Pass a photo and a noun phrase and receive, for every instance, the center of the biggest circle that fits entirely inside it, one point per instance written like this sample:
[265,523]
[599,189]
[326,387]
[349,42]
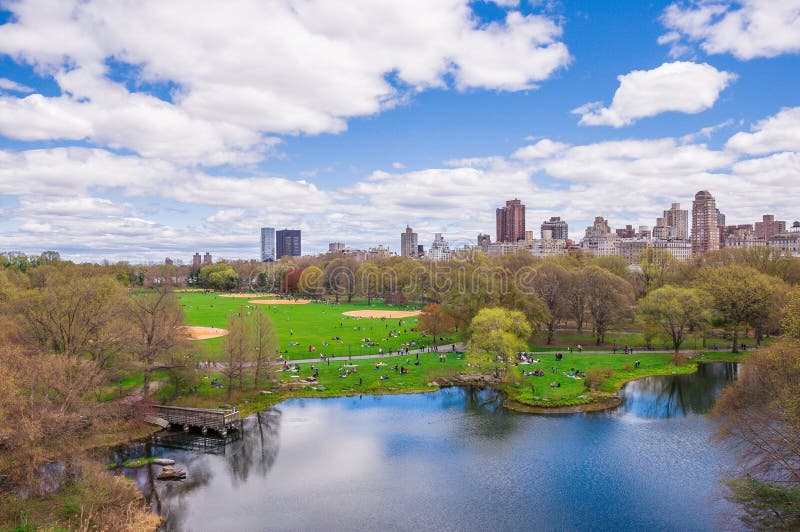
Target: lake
[454,459]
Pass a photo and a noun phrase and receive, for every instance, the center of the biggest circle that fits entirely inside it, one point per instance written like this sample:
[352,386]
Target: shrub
[678,358]
[596,377]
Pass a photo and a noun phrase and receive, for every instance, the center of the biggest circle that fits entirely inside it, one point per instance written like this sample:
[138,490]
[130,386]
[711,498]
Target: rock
[163,461]
[170,473]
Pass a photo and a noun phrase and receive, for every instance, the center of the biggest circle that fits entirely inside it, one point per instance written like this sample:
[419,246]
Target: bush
[627,367]
[678,358]
[596,377]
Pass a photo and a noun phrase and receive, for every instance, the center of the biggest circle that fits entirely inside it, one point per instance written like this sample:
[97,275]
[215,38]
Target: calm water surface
[455,460]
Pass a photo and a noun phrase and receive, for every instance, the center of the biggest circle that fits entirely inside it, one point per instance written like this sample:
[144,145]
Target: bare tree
[156,321]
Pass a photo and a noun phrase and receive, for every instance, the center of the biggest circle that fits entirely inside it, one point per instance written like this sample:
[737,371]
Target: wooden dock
[220,421]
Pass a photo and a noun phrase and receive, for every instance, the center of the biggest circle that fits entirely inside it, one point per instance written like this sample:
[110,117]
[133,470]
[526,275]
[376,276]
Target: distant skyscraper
[720,218]
[207,259]
[287,243]
[409,240]
[197,261]
[267,244]
[678,220]
[336,247]
[558,228]
[705,228]
[511,222]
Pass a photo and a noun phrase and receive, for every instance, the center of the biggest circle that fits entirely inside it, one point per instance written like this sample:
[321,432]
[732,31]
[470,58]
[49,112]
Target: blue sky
[168,128]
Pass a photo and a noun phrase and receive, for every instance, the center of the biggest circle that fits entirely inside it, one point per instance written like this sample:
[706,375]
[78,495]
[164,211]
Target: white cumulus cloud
[280,67]
[681,86]
[780,132]
[745,28]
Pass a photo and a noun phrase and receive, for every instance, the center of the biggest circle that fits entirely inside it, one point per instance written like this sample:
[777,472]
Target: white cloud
[780,132]
[543,148]
[281,67]
[745,28]
[9,85]
[226,216]
[680,86]
[72,196]
[398,166]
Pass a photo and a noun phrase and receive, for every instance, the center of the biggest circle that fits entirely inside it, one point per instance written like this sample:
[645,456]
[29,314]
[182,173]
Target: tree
[657,265]
[265,342]
[237,345]
[219,276]
[791,319]
[369,281]
[310,283]
[675,311]
[552,285]
[759,417]
[75,312]
[608,298]
[740,294]
[435,321]
[156,321]
[576,297]
[339,278]
[500,332]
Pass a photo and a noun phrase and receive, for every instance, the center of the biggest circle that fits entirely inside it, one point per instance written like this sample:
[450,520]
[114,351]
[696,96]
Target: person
[580,348]
[359,381]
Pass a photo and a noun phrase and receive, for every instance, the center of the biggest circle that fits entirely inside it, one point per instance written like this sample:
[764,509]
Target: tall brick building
[511,222]
[705,228]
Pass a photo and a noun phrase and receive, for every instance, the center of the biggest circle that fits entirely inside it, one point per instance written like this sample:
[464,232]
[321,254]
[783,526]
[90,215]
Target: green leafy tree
[219,276]
[500,332]
[674,311]
[740,294]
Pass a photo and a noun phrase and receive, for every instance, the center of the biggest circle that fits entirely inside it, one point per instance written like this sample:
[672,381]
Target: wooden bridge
[204,419]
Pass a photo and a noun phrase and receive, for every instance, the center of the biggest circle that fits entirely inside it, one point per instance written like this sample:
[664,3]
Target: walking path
[440,349]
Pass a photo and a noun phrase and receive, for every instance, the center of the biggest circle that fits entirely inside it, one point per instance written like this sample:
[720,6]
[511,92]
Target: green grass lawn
[365,379]
[536,391]
[302,326]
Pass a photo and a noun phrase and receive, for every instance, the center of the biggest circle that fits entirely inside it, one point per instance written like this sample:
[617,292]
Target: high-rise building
[705,224]
[267,244]
[769,227]
[599,240]
[197,261]
[720,218]
[207,259]
[559,230]
[336,247]
[440,249]
[678,220]
[409,240]
[287,243]
[511,222]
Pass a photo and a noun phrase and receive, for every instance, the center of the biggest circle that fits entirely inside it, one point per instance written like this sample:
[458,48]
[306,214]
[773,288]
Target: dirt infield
[203,333]
[391,314]
[249,296]
[280,301]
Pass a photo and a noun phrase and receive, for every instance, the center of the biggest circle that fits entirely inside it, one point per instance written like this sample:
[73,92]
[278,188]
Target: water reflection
[452,460]
[678,395]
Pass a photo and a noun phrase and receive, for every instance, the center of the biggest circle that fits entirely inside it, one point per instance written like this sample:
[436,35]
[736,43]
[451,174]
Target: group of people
[536,373]
[628,350]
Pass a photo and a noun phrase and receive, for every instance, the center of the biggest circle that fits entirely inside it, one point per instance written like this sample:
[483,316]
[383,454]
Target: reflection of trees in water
[679,395]
[483,413]
[258,447]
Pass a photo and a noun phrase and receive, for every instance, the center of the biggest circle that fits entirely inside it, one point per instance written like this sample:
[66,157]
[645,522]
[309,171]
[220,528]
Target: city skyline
[124,135]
